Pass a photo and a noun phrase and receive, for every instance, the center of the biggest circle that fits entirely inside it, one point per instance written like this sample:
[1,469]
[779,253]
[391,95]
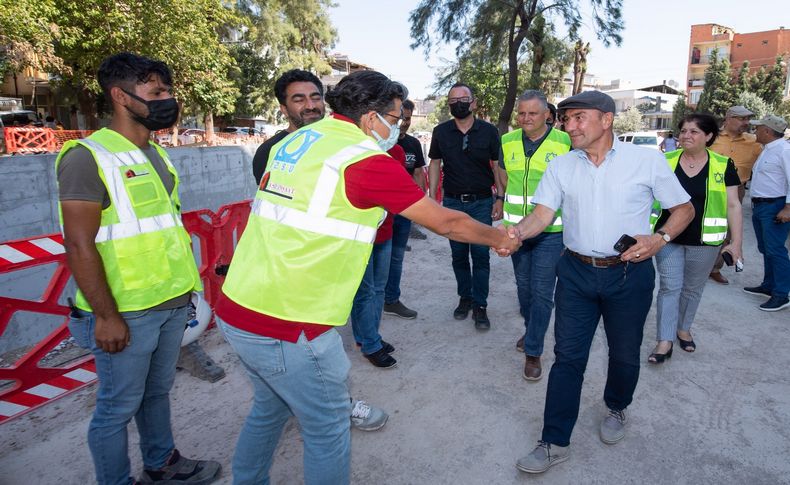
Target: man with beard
[466,148]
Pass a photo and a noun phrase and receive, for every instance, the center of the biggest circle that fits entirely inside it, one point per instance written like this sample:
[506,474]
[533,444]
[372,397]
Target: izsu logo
[294,149]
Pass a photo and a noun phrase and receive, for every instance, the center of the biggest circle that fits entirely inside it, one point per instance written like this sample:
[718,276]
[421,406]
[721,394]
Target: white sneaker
[365,417]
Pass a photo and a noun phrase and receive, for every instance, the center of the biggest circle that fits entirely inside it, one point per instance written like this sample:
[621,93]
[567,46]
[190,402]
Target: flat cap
[773,122]
[589,100]
[738,111]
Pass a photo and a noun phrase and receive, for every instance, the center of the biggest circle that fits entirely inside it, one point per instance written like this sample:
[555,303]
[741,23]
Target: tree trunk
[88,108]
[514,43]
[580,52]
[208,120]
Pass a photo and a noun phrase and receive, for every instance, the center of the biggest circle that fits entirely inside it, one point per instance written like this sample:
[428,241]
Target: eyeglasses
[398,119]
[463,99]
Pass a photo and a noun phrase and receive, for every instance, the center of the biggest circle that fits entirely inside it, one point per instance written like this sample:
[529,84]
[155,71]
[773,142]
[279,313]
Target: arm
[434,171]
[735,223]
[536,222]
[496,211]
[784,214]
[646,246]
[419,178]
[81,220]
[460,227]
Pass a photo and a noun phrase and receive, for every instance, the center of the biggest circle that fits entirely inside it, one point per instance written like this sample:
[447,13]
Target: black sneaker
[757,290]
[385,346]
[381,359]
[463,308]
[182,470]
[400,310]
[481,318]
[775,304]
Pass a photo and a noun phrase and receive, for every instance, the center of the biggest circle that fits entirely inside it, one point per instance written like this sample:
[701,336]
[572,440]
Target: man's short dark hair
[408,104]
[126,69]
[553,111]
[705,122]
[295,76]
[463,85]
[364,91]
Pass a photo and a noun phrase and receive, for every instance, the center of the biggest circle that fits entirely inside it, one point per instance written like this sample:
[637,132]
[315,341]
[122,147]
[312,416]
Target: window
[738,45]
[695,96]
[765,42]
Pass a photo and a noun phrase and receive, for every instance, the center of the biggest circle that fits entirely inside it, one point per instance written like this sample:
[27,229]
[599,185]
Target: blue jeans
[369,300]
[306,379]
[472,282]
[622,295]
[134,383]
[771,238]
[400,236]
[535,268]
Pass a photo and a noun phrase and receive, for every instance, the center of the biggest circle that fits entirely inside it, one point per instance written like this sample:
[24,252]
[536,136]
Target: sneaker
[385,346]
[182,470]
[400,310]
[365,417]
[775,304]
[542,457]
[463,308]
[381,359]
[481,318]
[415,233]
[613,427]
[758,290]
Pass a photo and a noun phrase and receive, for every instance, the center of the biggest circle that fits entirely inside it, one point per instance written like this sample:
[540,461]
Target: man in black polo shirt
[466,148]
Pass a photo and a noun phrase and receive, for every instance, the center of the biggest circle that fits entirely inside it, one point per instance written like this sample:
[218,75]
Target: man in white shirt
[770,191]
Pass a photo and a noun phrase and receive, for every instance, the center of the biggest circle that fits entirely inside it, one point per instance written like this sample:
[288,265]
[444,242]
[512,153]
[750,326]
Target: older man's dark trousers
[622,295]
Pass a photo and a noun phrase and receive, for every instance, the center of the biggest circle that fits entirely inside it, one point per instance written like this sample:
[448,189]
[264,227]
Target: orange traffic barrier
[23,140]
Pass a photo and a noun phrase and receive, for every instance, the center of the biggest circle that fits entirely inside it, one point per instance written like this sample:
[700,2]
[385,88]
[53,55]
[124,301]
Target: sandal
[687,345]
[656,358]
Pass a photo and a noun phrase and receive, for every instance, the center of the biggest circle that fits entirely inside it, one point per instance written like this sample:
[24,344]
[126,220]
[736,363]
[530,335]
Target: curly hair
[364,91]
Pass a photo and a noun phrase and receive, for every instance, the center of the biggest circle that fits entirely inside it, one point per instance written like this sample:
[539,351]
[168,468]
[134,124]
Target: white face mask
[389,142]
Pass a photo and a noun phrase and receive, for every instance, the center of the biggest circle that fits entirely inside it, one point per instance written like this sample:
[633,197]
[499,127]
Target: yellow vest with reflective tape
[714,218]
[305,248]
[146,253]
[524,173]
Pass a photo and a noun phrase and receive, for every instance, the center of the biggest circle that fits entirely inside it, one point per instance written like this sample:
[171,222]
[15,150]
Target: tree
[772,89]
[628,120]
[580,52]
[753,103]
[501,28]
[719,93]
[679,111]
[743,82]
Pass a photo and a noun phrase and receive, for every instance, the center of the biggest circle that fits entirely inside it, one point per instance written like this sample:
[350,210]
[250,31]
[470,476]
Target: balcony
[696,82]
[704,60]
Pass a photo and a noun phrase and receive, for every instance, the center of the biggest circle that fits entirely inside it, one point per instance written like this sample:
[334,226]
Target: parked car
[649,139]
[191,136]
[240,130]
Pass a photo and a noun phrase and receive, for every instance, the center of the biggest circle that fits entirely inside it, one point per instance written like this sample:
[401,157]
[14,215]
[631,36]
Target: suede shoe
[532,369]
[400,310]
[613,427]
[775,304]
[758,290]
[381,359]
[719,278]
[365,417]
[182,470]
[544,455]
[481,318]
[463,308]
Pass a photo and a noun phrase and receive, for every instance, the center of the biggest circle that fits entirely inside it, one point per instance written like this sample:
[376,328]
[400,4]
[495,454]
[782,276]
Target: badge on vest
[136,173]
[279,190]
[550,156]
[718,177]
[293,150]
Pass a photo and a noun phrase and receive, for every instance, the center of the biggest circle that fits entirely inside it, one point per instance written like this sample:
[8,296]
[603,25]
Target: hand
[496,211]
[784,214]
[511,241]
[645,248]
[735,251]
[111,334]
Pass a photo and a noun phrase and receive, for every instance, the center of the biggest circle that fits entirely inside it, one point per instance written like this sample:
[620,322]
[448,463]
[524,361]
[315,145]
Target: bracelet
[499,197]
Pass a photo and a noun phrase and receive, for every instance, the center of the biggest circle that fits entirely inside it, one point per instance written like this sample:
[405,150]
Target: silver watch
[664,236]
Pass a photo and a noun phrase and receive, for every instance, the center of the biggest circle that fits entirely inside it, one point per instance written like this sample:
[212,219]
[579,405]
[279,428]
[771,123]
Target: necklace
[689,161]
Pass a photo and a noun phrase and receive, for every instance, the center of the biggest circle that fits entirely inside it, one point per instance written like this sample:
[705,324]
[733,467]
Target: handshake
[510,241]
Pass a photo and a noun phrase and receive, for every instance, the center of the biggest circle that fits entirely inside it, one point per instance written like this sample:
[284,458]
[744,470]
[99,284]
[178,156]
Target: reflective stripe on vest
[714,220]
[308,221]
[524,173]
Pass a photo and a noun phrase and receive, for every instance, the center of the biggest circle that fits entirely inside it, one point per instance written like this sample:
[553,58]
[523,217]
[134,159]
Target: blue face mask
[389,142]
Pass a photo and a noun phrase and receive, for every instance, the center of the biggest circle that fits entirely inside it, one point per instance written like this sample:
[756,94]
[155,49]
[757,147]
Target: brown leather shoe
[520,344]
[719,278]
[532,369]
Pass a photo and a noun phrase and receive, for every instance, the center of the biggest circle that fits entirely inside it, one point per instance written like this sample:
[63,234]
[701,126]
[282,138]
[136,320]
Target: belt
[766,200]
[470,197]
[606,262]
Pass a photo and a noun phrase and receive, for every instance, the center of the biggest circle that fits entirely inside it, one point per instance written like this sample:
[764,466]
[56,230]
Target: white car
[649,139]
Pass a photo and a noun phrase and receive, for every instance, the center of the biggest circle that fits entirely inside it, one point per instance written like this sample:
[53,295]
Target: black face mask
[162,113]
[460,109]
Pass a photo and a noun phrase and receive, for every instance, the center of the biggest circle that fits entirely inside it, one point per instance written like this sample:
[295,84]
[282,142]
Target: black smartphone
[727,257]
[624,243]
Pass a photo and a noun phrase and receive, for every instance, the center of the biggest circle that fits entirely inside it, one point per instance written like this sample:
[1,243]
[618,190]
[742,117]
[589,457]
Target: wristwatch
[664,236]
[499,197]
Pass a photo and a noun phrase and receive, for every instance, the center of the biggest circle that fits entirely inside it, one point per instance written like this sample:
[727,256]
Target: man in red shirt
[297,364]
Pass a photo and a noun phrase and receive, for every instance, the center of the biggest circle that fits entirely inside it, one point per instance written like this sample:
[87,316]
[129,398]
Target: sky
[654,48]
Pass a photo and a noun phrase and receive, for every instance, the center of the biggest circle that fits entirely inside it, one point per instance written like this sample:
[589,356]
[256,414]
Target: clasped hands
[511,241]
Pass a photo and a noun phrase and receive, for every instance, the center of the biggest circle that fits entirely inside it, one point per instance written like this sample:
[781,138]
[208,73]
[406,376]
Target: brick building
[759,48]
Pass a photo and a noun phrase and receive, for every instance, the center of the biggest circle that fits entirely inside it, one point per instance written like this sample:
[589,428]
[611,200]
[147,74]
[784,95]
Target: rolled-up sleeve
[549,191]
[666,188]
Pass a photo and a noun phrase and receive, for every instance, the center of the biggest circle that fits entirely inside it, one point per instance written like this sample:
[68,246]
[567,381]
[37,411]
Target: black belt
[766,200]
[470,197]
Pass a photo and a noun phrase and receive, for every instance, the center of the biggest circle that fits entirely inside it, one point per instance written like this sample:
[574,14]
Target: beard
[306,117]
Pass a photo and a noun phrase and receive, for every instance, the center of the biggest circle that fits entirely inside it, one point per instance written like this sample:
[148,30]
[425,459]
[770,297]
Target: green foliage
[773,84]
[628,120]
[679,110]
[719,91]
[743,81]
[27,35]
[783,109]
[754,103]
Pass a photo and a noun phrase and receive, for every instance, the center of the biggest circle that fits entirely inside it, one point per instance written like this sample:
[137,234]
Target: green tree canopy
[28,32]
[719,91]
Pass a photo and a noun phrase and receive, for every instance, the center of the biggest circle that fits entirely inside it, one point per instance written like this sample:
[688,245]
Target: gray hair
[531,94]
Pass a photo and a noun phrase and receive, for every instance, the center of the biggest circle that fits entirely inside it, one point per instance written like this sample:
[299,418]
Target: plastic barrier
[23,141]
[27,384]
[62,136]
